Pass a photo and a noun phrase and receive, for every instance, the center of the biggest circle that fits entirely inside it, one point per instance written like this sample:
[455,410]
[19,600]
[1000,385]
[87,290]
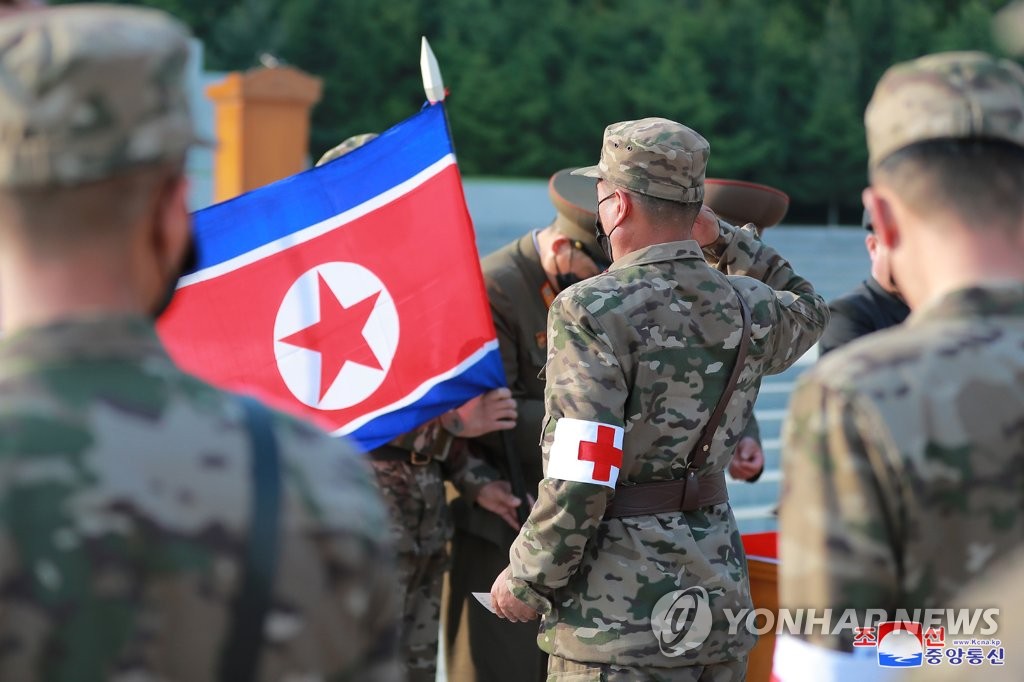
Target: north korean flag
[349,294]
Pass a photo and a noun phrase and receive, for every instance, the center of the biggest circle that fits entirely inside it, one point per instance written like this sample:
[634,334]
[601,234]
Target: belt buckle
[418,459]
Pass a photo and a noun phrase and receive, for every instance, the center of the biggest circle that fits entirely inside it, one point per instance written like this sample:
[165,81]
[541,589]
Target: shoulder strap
[703,448]
[240,656]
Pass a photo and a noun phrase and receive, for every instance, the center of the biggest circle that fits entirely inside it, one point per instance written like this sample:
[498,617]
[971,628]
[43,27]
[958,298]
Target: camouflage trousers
[419,581]
[564,670]
[419,530]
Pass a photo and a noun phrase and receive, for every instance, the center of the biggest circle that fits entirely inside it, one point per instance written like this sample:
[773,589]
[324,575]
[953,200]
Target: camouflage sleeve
[550,545]
[840,512]
[797,315]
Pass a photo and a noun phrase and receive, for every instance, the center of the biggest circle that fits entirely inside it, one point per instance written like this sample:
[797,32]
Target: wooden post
[261,118]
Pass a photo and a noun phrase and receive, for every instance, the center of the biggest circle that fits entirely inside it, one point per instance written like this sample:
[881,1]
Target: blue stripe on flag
[478,378]
[307,198]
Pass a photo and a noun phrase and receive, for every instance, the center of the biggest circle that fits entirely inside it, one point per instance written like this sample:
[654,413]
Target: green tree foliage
[779,87]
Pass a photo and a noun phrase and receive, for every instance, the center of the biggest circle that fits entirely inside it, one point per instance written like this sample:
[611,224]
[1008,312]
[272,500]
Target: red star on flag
[337,335]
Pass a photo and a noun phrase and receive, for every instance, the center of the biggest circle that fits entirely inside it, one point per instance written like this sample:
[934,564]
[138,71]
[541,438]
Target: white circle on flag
[300,367]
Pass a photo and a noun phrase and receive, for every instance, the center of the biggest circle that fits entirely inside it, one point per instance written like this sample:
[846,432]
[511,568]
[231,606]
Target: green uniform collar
[90,337]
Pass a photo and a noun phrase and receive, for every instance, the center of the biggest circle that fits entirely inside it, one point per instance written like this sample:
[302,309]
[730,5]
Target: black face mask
[188,264]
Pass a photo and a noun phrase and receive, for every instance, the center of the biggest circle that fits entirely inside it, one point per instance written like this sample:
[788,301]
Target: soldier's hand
[747,460]
[492,411]
[497,498]
[505,604]
[705,228]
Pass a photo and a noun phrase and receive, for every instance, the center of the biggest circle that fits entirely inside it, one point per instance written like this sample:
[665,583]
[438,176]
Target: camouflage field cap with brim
[88,91]
[653,156]
[350,144]
[951,95]
[575,199]
[740,202]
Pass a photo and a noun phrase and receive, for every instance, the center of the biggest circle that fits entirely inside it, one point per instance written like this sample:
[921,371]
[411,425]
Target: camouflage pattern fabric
[420,527]
[998,588]
[947,95]
[113,95]
[349,144]
[563,670]
[653,156]
[124,499]
[903,475]
[656,336]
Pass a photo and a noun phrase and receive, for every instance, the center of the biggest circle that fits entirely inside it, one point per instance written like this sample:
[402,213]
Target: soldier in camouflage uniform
[638,358]
[125,485]
[522,280]
[411,471]
[903,475]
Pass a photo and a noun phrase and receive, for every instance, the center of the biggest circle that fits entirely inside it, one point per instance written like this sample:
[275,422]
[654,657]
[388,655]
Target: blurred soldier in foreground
[151,526]
[903,476]
[873,305]
[522,280]
[632,510]
[411,471]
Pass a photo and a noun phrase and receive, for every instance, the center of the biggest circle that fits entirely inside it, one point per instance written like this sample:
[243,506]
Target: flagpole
[433,87]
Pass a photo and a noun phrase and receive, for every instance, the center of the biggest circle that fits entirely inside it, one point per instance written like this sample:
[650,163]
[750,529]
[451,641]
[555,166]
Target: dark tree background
[777,86]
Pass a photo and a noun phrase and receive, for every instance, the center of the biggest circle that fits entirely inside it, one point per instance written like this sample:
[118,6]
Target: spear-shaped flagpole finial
[433,85]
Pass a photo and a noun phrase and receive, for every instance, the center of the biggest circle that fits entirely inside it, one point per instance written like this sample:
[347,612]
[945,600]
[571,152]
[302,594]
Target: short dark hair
[668,212]
[981,180]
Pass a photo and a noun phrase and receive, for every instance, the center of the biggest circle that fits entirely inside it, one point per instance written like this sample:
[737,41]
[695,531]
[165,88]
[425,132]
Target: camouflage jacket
[124,509]
[415,493]
[904,467]
[648,346]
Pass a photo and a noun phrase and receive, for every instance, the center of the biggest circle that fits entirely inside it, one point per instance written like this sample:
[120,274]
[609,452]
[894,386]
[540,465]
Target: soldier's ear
[559,243]
[886,228]
[174,224]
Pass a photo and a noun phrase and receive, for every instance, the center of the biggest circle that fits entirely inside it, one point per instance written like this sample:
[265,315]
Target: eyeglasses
[603,240]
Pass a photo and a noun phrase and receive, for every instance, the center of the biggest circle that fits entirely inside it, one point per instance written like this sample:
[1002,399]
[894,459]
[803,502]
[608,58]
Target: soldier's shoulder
[501,260]
[904,355]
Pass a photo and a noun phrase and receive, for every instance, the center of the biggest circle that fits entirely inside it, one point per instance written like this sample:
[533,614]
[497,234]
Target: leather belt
[661,497]
[390,453]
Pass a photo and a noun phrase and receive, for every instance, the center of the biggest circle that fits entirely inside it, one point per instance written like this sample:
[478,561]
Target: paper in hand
[485,599]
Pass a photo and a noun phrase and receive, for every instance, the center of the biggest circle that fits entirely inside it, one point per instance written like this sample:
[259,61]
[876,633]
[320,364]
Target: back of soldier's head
[91,97]
[946,132]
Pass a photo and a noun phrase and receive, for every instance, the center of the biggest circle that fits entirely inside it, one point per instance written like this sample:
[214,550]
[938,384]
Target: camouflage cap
[952,95]
[87,91]
[1008,26]
[653,156]
[575,199]
[349,144]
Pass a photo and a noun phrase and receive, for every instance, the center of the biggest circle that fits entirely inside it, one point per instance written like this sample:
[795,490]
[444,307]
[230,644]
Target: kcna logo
[681,620]
[335,335]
